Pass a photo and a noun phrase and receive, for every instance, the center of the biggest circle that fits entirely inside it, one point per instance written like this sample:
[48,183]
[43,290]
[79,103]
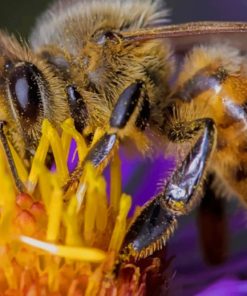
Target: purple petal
[73,156]
[225,287]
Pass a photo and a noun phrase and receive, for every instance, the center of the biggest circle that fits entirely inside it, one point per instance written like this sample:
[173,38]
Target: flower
[52,243]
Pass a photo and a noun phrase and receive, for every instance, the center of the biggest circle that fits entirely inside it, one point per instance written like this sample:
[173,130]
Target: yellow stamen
[45,185]
[7,201]
[38,160]
[74,253]
[68,128]
[95,203]
[100,194]
[52,267]
[116,186]
[94,283]
[66,138]
[73,236]
[90,205]
[7,267]
[58,152]
[120,226]
[50,240]
[54,212]
[97,135]
[21,169]
[80,195]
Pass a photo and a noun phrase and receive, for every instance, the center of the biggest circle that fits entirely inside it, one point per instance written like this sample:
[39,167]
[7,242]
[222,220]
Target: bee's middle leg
[156,222]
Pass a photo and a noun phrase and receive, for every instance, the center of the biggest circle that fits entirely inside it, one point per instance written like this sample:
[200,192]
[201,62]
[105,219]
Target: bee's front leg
[127,106]
[156,222]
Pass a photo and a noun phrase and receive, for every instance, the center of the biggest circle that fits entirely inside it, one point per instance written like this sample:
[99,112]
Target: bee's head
[109,62]
[29,92]
[90,34]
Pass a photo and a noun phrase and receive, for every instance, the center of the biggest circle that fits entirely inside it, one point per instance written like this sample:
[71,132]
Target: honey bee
[110,64]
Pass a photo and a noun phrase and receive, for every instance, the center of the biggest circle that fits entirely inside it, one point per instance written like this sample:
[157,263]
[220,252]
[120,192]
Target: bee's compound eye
[25,82]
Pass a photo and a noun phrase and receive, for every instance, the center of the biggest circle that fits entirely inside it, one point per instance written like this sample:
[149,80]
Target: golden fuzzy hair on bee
[83,16]
[68,32]
[202,56]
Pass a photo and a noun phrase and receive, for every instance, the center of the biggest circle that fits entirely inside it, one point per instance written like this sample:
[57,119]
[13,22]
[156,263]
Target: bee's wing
[185,36]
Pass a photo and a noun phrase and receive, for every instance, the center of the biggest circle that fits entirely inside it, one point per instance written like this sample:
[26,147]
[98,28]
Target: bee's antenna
[182,30]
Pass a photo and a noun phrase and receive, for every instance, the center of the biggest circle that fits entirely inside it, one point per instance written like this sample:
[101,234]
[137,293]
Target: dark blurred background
[19,16]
